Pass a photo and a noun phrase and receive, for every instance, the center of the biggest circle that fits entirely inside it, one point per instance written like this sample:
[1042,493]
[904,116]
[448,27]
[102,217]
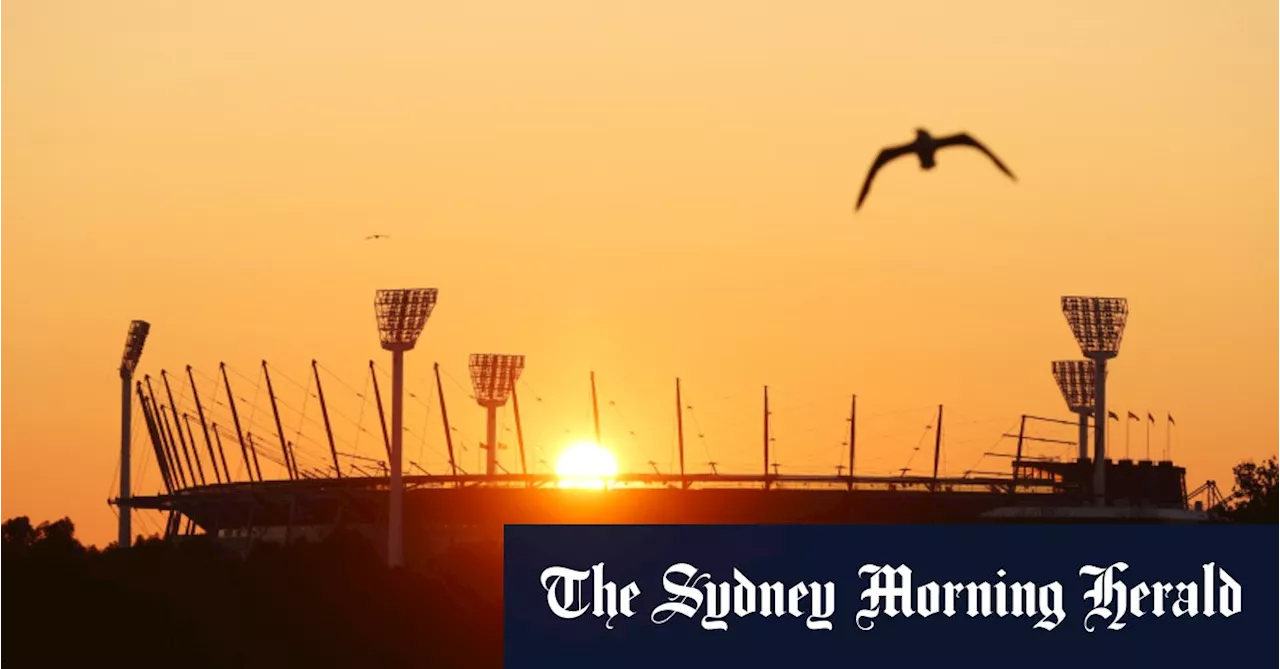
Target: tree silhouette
[1253,497]
[19,535]
[192,601]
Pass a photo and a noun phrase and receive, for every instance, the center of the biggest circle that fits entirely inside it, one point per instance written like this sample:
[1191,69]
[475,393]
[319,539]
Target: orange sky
[645,190]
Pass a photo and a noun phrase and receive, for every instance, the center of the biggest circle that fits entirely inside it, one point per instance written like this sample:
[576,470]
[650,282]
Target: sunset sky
[647,190]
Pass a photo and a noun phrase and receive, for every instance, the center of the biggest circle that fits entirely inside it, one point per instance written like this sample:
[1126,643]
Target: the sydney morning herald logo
[1112,601]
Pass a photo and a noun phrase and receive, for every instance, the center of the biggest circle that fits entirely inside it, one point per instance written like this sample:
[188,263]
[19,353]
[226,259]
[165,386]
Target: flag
[1112,415]
[1133,416]
[1171,421]
[1150,417]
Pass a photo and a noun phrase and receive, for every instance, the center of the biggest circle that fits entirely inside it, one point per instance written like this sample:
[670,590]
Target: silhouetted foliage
[195,602]
[192,602]
[1253,496]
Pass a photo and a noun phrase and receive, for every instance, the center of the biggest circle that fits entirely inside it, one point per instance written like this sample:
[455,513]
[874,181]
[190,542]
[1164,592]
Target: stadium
[212,469]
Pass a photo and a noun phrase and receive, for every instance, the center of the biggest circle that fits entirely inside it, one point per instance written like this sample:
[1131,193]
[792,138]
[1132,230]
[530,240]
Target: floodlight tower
[1076,380]
[493,376]
[1098,325]
[401,315]
[133,343]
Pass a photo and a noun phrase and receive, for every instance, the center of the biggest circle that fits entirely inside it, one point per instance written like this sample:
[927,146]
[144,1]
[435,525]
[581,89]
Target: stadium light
[401,316]
[1098,325]
[133,344]
[1076,381]
[493,376]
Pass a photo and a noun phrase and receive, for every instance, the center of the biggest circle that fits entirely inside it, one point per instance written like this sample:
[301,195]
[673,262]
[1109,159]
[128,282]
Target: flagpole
[1148,435]
[1168,438]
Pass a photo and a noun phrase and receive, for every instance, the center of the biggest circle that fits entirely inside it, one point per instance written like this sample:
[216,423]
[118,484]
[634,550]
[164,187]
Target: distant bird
[925,146]
[377,237]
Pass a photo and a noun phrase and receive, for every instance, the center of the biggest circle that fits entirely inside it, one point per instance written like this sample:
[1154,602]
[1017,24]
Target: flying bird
[377,237]
[925,146]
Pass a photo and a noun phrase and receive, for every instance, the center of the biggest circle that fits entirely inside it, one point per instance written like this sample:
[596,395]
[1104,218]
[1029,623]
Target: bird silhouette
[377,237]
[925,146]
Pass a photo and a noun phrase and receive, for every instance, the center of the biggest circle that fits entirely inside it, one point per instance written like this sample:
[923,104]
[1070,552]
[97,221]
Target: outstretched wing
[881,160]
[964,139]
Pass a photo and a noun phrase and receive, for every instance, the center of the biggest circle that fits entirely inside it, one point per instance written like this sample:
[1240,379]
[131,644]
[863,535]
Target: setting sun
[586,465]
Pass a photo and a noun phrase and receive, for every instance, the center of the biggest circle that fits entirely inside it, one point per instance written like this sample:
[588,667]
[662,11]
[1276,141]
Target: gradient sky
[646,190]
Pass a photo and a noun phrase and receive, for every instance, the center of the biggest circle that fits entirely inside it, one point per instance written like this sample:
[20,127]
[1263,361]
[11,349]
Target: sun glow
[586,465]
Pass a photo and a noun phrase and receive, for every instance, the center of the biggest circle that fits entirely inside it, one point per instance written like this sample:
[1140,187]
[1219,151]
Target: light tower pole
[133,343]
[1098,325]
[401,315]
[493,376]
[1076,380]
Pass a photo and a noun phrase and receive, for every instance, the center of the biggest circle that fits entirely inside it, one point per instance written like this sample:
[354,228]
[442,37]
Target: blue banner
[904,596]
